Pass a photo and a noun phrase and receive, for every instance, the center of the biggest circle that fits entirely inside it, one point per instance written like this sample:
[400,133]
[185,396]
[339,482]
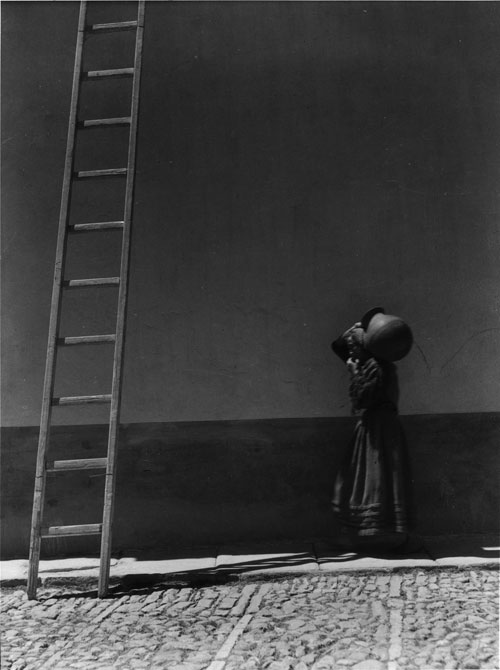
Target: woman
[372,491]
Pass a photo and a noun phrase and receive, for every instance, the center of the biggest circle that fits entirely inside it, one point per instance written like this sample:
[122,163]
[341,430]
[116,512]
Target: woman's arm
[366,384]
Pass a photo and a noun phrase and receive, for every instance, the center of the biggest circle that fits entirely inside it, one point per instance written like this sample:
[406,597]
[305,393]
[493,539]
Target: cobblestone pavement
[426,619]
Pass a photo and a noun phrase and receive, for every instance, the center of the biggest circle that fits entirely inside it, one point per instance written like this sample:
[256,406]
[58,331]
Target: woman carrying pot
[371,498]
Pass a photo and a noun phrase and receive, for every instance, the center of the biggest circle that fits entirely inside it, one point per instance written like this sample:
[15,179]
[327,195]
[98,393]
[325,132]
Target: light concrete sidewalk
[247,560]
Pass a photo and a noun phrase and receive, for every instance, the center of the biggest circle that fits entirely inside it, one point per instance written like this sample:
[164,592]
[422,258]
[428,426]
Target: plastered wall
[298,163]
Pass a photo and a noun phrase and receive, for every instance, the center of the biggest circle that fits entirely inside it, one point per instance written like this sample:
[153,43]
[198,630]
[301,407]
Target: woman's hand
[350,330]
[352,365]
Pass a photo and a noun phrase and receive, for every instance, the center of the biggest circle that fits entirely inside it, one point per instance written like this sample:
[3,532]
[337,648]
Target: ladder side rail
[110,481]
[48,386]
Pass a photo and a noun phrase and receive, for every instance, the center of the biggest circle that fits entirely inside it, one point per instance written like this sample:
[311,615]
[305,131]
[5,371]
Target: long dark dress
[371,496]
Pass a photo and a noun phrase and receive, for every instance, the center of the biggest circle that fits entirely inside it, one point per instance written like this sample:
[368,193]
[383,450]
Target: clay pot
[388,337]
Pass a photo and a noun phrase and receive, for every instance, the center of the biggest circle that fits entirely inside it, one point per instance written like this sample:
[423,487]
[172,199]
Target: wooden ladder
[61,285]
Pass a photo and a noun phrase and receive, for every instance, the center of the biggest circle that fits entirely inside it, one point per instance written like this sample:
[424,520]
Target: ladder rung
[97,281]
[84,529]
[77,464]
[82,399]
[89,174]
[86,339]
[105,225]
[111,27]
[102,74]
[117,121]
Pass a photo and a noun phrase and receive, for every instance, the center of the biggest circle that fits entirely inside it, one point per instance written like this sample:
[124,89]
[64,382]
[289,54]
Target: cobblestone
[410,620]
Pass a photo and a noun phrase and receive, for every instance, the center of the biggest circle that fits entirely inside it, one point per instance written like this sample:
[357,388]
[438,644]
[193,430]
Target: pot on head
[386,336]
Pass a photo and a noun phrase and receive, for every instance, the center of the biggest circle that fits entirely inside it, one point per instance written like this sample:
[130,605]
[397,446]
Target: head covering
[345,345]
[386,336]
[355,336]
